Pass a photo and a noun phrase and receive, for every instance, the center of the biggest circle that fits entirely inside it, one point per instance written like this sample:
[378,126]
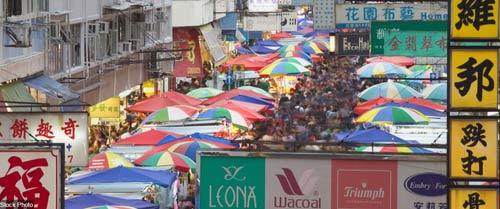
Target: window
[14,7]
[122,29]
[76,56]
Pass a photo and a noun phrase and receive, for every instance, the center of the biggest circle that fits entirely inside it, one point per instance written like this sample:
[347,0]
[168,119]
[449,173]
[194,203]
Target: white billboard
[269,22]
[262,5]
[68,128]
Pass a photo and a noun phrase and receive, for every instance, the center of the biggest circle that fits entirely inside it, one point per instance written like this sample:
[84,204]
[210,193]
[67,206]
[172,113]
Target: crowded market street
[222,104]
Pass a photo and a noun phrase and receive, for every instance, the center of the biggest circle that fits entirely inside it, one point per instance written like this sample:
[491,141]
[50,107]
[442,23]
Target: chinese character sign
[109,108]
[416,43]
[473,148]
[471,198]
[474,78]
[360,15]
[30,178]
[68,128]
[474,19]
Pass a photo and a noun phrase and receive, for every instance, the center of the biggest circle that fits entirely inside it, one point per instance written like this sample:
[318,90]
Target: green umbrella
[204,93]
[256,90]
[436,92]
[389,90]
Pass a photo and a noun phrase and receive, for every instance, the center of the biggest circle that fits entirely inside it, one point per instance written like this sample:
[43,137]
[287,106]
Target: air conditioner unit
[92,29]
[149,26]
[161,16]
[124,47]
[134,44]
[103,27]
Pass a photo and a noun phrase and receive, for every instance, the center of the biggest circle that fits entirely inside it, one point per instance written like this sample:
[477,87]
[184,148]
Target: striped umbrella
[296,60]
[290,48]
[388,90]
[436,92]
[190,147]
[168,159]
[283,68]
[299,54]
[256,90]
[316,45]
[382,69]
[392,149]
[393,115]
[218,113]
[311,49]
[111,207]
[108,159]
[204,93]
[173,113]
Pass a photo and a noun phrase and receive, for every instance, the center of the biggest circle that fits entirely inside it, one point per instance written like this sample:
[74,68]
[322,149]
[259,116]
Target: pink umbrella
[398,60]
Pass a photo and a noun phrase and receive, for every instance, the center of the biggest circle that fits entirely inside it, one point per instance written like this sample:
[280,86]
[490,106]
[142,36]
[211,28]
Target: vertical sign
[473,198]
[67,128]
[474,19]
[473,78]
[232,182]
[31,176]
[473,148]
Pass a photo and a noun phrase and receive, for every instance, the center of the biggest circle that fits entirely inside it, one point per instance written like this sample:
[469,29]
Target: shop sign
[270,22]
[474,21]
[461,198]
[67,128]
[109,108]
[298,183]
[474,78]
[364,184]
[31,177]
[288,21]
[353,43]
[262,5]
[360,15]
[379,29]
[148,87]
[473,148]
[232,182]
[416,43]
[422,184]
[190,64]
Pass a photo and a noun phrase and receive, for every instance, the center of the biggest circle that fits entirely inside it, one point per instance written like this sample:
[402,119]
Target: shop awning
[121,6]
[52,88]
[210,36]
[14,95]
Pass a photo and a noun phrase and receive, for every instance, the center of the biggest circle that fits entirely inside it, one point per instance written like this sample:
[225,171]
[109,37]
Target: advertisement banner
[379,29]
[360,15]
[232,182]
[473,198]
[366,184]
[353,43]
[262,5]
[190,64]
[422,184]
[109,108]
[269,22]
[67,128]
[31,178]
[298,183]
[481,26]
[288,21]
[416,43]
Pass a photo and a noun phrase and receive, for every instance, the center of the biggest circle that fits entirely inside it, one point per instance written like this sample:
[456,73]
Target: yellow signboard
[109,108]
[473,78]
[473,198]
[473,148]
[238,67]
[474,19]
[148,87]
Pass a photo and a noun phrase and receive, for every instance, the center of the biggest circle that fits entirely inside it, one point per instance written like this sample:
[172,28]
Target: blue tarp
[122,174]
[243,50]
[51,87]
[93,200]
[370,135]
[228,22]
[197,136]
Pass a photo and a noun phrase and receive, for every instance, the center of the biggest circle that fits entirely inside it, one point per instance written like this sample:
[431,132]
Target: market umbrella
[189,148]
[108,159]
[423,109]
[393,115]
[398,60]
[247,105]
[382,69]
[296,60]
[249,114]
[87,201]
[311,49]
[283,68]
[234,117]
[393,149]
[166,99]
[281,35]
[370,104]
[173,113]
[147,138]
[316,45]
[234,93]
[299,54]
[168,159]
[436,92]
[389,90]
[199,137]
[290,48]
[256,90]
[204,93]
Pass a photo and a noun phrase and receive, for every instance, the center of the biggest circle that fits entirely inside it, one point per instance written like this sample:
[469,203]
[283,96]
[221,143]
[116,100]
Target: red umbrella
[148,138]
[235,92]
[166,146]
[252,106]
[368,105]
[252,62]
[426,103]
[398,60]
[160,101]
[244,111]
[281,35]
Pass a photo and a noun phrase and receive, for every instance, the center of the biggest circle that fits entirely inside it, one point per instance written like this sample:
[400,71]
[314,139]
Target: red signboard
[364,184]
[190,65]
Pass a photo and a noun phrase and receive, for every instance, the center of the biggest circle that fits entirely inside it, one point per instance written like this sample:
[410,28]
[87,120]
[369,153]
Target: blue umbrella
[268,43]
[373,135]
[93,200]
[205,137]
[244,98]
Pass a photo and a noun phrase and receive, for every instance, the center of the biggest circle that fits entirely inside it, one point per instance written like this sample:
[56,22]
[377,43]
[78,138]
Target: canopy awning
[121,6]
[52,88]
[17,98]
